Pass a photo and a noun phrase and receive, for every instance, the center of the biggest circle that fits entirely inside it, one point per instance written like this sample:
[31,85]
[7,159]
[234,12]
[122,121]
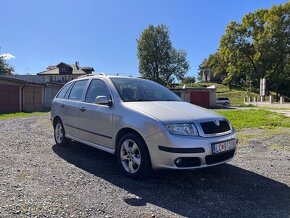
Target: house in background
[63,73]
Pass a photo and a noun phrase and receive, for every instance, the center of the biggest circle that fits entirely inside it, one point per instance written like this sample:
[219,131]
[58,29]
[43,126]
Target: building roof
[61,64]
[76,70]
[89,68]
[31,79]
[56,72]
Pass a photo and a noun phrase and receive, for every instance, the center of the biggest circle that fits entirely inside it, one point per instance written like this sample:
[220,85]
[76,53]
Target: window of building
[63,69]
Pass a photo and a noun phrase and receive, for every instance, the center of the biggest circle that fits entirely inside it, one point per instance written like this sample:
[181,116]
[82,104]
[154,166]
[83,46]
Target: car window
[77,90]
[97,88]
[68,92]
[132,89]
[63,91]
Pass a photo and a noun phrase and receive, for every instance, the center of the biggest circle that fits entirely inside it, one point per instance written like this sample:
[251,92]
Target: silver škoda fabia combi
[144,124]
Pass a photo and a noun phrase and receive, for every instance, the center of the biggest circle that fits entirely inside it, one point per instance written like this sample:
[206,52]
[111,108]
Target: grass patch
[21,114]
[275,108]
[254,118]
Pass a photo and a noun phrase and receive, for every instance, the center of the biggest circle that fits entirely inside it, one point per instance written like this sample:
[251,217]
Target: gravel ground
[40,179]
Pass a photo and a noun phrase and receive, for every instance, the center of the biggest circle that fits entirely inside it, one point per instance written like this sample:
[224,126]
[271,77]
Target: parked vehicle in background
[223,101]
[143,123]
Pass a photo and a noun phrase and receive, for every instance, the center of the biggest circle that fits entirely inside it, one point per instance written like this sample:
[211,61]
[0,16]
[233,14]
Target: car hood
[173,111]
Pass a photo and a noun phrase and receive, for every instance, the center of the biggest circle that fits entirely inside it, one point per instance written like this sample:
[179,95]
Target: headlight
[182,129]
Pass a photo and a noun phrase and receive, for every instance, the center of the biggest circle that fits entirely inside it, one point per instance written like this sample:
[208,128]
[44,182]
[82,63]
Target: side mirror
[104,100]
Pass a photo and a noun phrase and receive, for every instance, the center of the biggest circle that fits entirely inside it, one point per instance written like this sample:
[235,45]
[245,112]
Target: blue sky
[103,34]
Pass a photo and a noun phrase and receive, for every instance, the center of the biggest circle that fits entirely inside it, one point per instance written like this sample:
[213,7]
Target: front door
[95,121]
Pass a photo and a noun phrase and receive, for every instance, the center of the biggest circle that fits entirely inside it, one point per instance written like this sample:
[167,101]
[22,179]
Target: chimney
[77,65]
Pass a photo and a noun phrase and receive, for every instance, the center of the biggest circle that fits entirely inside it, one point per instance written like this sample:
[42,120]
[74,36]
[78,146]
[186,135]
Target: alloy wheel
[59,133]
[130,156]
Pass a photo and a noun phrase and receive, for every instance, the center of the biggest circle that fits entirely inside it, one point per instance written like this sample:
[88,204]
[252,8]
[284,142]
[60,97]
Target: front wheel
[133,156]
[59,134]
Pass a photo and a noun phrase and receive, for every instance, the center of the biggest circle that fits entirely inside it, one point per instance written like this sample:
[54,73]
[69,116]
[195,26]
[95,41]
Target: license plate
[223,146]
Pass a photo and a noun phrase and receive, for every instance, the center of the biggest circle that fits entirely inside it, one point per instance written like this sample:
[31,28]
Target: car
[223,101]
[144,124]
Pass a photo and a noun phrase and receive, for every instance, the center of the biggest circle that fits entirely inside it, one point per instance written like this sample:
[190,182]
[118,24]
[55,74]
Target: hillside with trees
[257,47]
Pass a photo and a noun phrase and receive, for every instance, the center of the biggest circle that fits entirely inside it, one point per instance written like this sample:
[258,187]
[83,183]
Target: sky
[103,34]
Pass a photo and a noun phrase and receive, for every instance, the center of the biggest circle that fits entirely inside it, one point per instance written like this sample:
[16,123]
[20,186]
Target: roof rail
[88,75]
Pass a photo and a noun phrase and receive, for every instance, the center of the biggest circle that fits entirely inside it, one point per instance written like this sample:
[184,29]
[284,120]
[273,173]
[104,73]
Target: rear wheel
[133,156]
[59,134]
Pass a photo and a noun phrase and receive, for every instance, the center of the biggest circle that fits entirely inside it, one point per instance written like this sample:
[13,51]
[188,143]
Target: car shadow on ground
[224,191]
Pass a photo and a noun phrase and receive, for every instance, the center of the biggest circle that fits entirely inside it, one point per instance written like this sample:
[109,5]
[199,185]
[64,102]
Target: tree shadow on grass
[224,191]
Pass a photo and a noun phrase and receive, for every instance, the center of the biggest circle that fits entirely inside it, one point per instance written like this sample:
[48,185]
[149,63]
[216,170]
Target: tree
[5,69]
[257,47]
[188,79]
[158,60]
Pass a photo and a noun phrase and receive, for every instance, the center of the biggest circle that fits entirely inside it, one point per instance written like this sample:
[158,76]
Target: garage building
[204,97]
[26,93]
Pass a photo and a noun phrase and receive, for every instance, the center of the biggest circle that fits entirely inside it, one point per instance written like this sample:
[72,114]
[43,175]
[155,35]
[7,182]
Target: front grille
[213,159]
[213,128]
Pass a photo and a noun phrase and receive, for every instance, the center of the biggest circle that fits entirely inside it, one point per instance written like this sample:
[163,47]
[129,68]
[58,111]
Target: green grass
[21,114]
[236,96]
[254,118]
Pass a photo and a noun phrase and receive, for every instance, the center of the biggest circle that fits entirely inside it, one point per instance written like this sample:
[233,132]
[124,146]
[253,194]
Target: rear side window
[97,88]
[63,91]
[77,90]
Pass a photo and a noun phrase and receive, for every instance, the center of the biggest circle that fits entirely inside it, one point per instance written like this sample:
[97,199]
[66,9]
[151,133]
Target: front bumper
[196,152]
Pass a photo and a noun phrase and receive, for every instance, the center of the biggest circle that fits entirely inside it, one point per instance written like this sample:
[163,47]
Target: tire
[133,156]
[59,134]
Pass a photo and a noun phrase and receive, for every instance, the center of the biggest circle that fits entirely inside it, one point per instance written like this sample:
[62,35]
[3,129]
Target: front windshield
[133,89]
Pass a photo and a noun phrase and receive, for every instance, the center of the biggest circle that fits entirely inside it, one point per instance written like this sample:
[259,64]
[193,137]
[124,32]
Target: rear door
[95,121]
[72,106]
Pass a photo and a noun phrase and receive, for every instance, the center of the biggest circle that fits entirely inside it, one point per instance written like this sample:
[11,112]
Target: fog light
[178,162]
[187,162]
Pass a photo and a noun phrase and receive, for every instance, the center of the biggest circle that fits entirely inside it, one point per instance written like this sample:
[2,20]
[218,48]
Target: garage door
[9,98]
[32,98]
[50,92]
[200,98]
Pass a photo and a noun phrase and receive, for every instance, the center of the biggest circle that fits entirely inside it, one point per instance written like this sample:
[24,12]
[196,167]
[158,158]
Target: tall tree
[5,69]
[158,59]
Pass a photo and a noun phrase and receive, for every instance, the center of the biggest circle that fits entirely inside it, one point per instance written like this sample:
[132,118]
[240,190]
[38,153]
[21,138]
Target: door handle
[62,105]
[82,109]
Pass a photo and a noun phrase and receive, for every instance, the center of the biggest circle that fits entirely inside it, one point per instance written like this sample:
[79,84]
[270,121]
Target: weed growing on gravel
[21,114]
[255,119]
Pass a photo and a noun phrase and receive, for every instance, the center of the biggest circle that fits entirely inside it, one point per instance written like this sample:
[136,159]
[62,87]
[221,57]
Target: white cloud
[7,56]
